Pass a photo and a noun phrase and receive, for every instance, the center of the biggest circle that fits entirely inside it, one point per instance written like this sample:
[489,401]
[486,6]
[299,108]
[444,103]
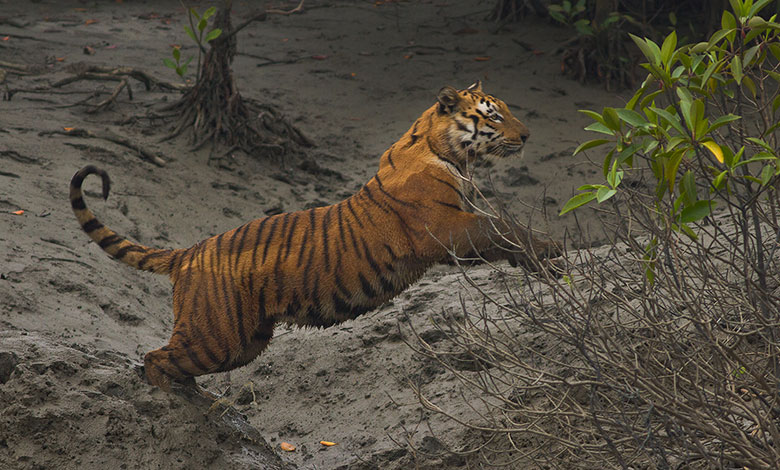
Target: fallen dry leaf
[90,21]
[287,447]
[328,443]
[482,58]
[68,129]
[5,38]
[60,59]
[408,56]
[19,212]
[89,50]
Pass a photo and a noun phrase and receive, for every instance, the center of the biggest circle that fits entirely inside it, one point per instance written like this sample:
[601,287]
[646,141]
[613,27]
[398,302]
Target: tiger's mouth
[508,150]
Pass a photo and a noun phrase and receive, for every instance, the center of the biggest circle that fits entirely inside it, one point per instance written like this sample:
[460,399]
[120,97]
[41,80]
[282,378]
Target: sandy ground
[353,75]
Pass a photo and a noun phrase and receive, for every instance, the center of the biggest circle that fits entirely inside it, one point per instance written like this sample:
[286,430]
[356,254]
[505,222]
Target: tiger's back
[322,266]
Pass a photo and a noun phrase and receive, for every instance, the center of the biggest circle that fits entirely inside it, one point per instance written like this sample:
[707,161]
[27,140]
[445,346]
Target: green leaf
[719,35]
[653,54]
[176,54]
[671,119]
[697,211]
[598,127]
[209,13]
[169,63]
[202,24]
[605,193]
[717,183]
[667,49]
[736,69]
[722,121]
[577,201]
[593,115]
[194,13]
[670,168]
[589,145]
[611,119]
[738,7]
[688,188]
[631,117]
[190,34]
[757,7]
[213,34]
[766,174]
[761,143]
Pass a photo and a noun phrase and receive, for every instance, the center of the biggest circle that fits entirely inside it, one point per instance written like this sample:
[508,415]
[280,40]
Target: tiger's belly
[331,301]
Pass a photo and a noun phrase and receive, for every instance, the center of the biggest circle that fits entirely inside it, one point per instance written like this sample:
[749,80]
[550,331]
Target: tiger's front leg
[477,237]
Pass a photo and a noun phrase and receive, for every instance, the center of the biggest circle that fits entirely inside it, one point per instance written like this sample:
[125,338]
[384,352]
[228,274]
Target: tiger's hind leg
[187,356]
[257,343]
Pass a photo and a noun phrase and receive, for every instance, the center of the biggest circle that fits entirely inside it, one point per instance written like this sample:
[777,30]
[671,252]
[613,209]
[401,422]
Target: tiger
[325,265]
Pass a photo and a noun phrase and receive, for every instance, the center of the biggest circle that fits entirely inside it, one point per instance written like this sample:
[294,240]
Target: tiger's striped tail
[133,254]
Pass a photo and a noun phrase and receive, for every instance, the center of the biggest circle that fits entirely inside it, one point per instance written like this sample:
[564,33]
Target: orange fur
[322,266]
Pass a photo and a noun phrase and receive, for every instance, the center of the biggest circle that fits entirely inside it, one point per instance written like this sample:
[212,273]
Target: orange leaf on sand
[482,58]
[68,129]
[328,443]
[60,59]
[5,38]
[90,21]
[408,56]
[287,447]
[19,212]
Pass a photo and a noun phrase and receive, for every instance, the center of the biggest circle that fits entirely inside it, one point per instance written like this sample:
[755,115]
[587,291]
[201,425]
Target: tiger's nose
[524,137]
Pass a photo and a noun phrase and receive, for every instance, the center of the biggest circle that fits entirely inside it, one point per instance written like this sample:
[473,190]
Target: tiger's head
[477,125]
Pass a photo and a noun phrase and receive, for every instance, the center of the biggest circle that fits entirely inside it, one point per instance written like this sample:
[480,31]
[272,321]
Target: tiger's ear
[448,99]
[476,86]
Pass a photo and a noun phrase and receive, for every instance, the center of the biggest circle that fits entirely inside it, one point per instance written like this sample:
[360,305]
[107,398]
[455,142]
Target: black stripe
[340,218]
[256,243]
[366,286]
[307,271]
[195,359]
[261,302]
[340,305]
[357,219]
[354,241]
[475,119]
[290,235]
[371,262]
[218,251]
[413,137]
[123,251]
[340,285]
[461,126]
[269,238]
[390,252]
[91,225]
[173,262]
[325,229]
[452,186]
[447,204]
[278,279]
[109,240]
[78,203]
[175,363]
[303,247]
[370,197]
[293,306]
[244,229]
[152,254]
[390,158]
[240,318]
[206,349]
[393,198]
